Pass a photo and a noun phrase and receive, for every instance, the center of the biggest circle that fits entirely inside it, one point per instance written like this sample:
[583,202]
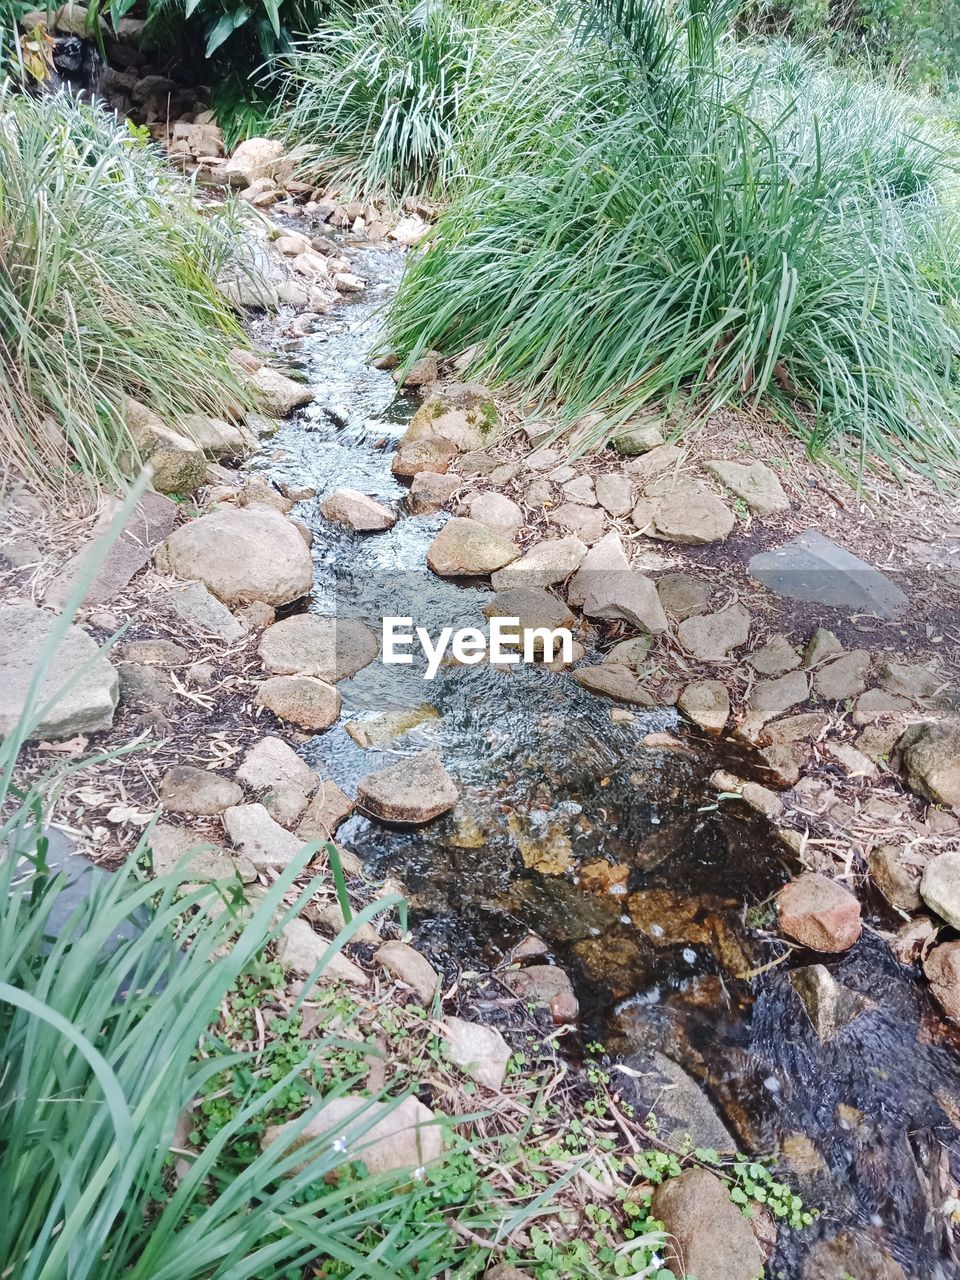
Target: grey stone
[278,395]
[844,677]
[328,808]
[712,636]
[776,658]
[896,872]
[940,886]
[683,596]
[147,688]
[655,1082]
[308,644]
[300,949]
[686,512]
[614,493]
[876,705]
[607,556]
[581,489]
[497,512]
[264,842]
[201,859]
[707,704]
[755,483]
[544,565]
[185,789]
[771,698]
[411,792]
[627,595]
[430,490]
[812,568]
[272,763]
[587,523]
[910,680]
[480,1051]
[635,438]
[465,548]
[821,645]
[613,681]
[929,756]
[161,653]
[410,967]
[202,612]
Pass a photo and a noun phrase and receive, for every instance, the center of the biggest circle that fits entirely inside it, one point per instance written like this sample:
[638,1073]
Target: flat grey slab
[810,567]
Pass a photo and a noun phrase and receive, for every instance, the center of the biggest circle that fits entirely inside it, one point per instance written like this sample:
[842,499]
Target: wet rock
[147,688]
[896,872]
[430,490]
[686,512]
[683,596]
[329,807]
[611,681]
[308,644]
[272,763]
[708,1235]
[199,859]
[381,730]
[822,644]
[401,1136]
[302,700]
[480,1051]
[851,1257]
[755,483]
[464,548]
[626,595]
[428,453]
[876,705]
[776,658]
[608,556]
[533,607]
[707,704]
[241,556]
[942,968]
[185,789]
[940,886]
[264,842]
[357,511]
[545,984]
[410,967]
[771,698]
[278,395]
[929,758]
[819,913]
[614,492]
[910,680]
[544,565]
[586,523]
[300,950]
[844,677]
[710,637]
[410,792]
[497,512]
[202,612]
[633,439]
[655,1082]
[829,1006]
[811,567]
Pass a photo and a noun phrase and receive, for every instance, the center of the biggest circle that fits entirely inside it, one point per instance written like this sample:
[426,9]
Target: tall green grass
[669,219]
[106,289]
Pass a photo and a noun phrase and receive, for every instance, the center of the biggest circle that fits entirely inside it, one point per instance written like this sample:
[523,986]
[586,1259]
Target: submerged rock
[709,1236]
[851,1257]
[819,913]
[652,1081]
[829,1006]
[411,792]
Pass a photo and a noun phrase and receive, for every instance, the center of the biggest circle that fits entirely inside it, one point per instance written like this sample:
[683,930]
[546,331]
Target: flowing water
[550,785]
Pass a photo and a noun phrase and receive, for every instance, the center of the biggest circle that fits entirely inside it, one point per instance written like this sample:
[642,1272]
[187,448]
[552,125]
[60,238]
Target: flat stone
[193,605]
[411,792]
[586,523]
[626,595]
[683,596]
[534,608]
[410,967]
[302,700]
[655,462]
[851,1257]
[819,913]
[185,789]
[357,511]
[300,949]
[611,681]
[687,512]
[285,804]
[707,704]
[711,637]
[631,653]
[329,807]
[844,677]
[308,644]
[581,489]
[428,453]
[544,565]
[607,556]
[497,512]
[822,644]
[812,568]
[771,698]
[806,727]
[755,483]
[776,658]
[929,756]
[430,490]
[854,762]
[942,969]
[876,705]
[910,680]
[278,395]
[544,984]
[829,1006]
[896,872]
[465,548]
[385,1136]
[708,1236]
[614,492]
[635,438]
[161,653]
[480,1051]
[264,842]
[272,763]
[199,859]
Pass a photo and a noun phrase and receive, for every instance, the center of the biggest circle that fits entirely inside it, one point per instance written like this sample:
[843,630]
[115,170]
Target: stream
[550,785]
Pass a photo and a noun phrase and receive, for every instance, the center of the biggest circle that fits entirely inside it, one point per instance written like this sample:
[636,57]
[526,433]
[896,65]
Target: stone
[468,429]
[611,681]
[711,637]
[162,653]
[819,913]
[586,523]
[614,492]
[285,804]
[193,605]
[198,859]
[257,158]
[428,453]
[385,1136]
[277,395]
[851,1257]
[185,789]
[812,568]
[843,677]
[896,872]
[608,556]
[308,644]
[683,596]
[272,763]
[327,809]
[755,483]
[408,966]
[480,1051]
[761,799]
[240,556]
[300,949]
[776,658]
[684,1112]
[82,679]
[259,491]
[293,294]
[533,607]
[411,792]
[942,968]
[929,757]
[256,615]
[708,1236]
[940,886]
[544,984]
[686,512]
[581,489]
[177,465]
[421,372]
[822,644]
[497,512]
[829,1006]
[261,840]
[876,705]
[771,698]
[854,762]
[805,727]
[218,438]
[634,438]
[430,490]
[302,700]
[627,595]
[707,704]
[464,548]
[910,680]
[631,653]
[357,511]
[544,565]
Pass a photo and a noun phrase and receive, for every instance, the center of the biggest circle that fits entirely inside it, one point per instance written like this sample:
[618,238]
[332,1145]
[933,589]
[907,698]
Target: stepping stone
[814,569]
[711,636]
[686,512]
[357,511]
[202,612]
[755,483]
[532,606]
[771,698]
[544,565]
[264,842]
[844,677]
[611,681]
[309,644]
[465,548]
[410,792]
[272,763]
[583,522]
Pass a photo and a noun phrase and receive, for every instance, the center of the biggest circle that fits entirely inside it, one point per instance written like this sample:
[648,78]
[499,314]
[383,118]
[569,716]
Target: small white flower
[340,1145]
[418,1174]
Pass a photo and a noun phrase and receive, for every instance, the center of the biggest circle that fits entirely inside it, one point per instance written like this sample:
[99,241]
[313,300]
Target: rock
[256,615]
[631,653]
[430,490]
[468,427]
[218,438]
[808,726]
[545,984]
[707,704]
[303,700]
[614,493]
[408,966]
[822,644]
[683,1110]
[812,568]
[504,1271]
[201,860]
[581,489]
[385,1136]
[293,294]
[193,605]
[177,464]
[421,372]
[854,762]
[284,804]
[607,557]
[929,756]
[300,950]
[761,799]
[771,698]
[910,680]
[357,511]
[851,1257]
[464,548]
[259,491]
[258,158]
[161,653]
[683,596]
[331,649]
[272,763]
[755,483]
[940,886]
[277,394]
[241,556]
[544,565]
[776,658]
[710,637]
[708,1235]
[480,1051]
[586,523]
[264,842]
[82,679]
[611,681]
[328,808]
[635,438]
[628,595]
[942,968]
[876,705]
[896,873]
[844,677]
[411,792]
[428,453]
[497,512]
[185,789]
[533,607]
[819,913]
[829,1006]
[684,511]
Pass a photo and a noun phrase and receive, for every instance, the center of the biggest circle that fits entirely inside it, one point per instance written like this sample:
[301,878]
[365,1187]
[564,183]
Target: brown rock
[464,548]
[819,913]
[586,523]
[411,968]
[545,984]
[708,1235]
[929,757]
[942,968]
[185,789]
[411,792]
[327,809]
[357,511]
[430,490]
[303,700]
[428,453]
[497,512]
[896,872]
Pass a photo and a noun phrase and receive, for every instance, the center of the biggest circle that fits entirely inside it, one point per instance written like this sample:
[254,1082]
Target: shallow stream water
[549,784]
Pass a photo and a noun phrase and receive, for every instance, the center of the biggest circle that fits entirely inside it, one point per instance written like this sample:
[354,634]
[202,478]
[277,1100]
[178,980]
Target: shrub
[106,289]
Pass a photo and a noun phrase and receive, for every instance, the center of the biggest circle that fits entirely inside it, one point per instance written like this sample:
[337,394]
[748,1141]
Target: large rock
[177,464]
[386,1136]
[819,913]
[241,556]
[278,395]
[261,840]
[430,490]
[709,1237]
[683,511]
[544,565]
[942,968]
[940,886]
[712,636]
[707,704]
[812,568]
[357,511]
[328,648]
[754,482]
[480,1051]
[627,595]
[929,756]
[464,548]
[496,512]
[185,789]
[606,557]
[427,453]
[771,698]
[302,700]
[218,438]
[83,681]
[410,792]
[468,429]
[257,158]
